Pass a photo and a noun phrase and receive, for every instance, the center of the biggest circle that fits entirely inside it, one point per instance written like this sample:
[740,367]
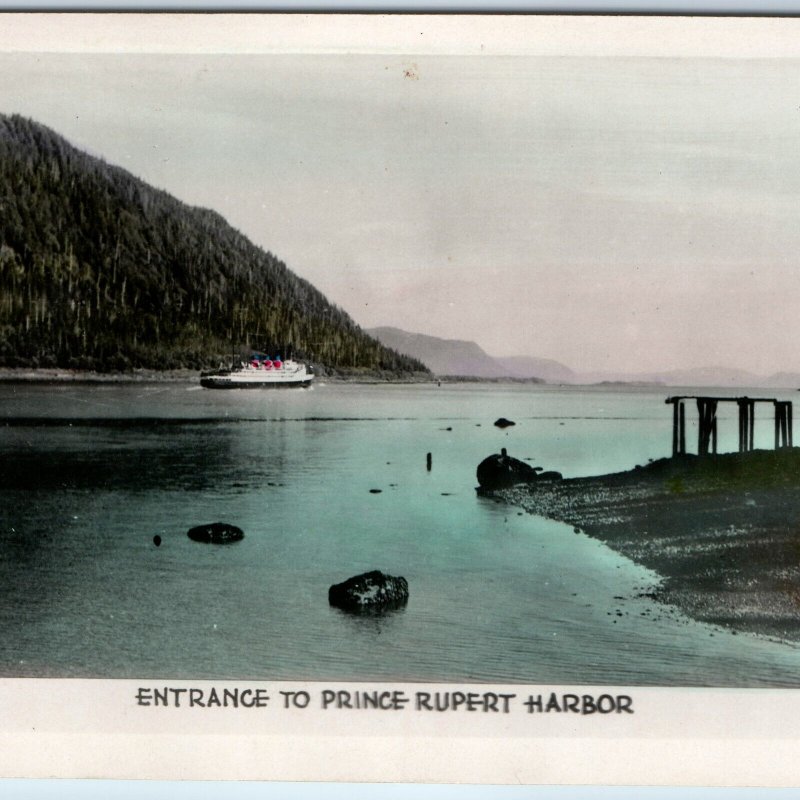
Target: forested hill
[98,270]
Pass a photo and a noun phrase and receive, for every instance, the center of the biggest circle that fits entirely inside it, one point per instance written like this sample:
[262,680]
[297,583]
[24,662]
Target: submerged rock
[504,423]
[216,533]
[371,591]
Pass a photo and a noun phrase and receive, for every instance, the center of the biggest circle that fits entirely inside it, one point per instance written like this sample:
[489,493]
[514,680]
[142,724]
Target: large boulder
[551,475]
[504,423]
[501,471]
[216,533]
[371,591]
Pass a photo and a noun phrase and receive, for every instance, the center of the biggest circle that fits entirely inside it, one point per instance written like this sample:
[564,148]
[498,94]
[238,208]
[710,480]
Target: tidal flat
[723,531]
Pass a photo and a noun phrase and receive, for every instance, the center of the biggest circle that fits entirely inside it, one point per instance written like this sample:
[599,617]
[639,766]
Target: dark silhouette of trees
[100,271]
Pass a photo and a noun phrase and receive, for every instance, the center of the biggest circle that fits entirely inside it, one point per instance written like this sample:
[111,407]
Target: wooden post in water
[678,426]
[702,426]
[674,428]
[707,425]
[783,424]
[741,427]
[746,411]
[682,430]
[752,412]
[701,412]
[713,426]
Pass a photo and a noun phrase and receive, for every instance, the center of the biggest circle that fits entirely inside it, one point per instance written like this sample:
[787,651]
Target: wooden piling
[707,425]
[675,427]
[745,424]
[714,433]
[741,427]
[701,420]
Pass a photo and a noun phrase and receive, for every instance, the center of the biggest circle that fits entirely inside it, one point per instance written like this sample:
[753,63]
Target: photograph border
[759,757]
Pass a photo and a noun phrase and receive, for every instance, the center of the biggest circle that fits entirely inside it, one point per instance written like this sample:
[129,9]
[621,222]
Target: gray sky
[611,213]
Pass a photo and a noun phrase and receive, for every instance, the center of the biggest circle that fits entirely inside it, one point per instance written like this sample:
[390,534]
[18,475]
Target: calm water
[92,474]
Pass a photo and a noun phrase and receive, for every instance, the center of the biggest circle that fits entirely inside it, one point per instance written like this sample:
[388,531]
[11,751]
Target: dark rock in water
[504,423]
[375,491]
[372,591]
[216,533]
[157,540]
[502,471]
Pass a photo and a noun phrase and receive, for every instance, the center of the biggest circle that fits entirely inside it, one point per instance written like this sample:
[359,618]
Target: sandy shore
[723,532]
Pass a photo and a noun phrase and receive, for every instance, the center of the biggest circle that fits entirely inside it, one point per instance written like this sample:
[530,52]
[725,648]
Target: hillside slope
[443,356]
[98,270]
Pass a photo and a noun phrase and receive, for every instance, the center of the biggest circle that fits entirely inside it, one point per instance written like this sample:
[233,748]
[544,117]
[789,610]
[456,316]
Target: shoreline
[54,375]
[64,376]
[722,532]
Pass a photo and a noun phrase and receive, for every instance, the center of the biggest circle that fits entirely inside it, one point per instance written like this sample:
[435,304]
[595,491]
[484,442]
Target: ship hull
[231,382]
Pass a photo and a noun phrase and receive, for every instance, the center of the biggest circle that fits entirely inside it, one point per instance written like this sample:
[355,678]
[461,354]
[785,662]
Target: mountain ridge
[442,356]
[99,270]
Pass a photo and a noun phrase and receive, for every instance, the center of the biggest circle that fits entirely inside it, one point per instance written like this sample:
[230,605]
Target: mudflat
[723,531]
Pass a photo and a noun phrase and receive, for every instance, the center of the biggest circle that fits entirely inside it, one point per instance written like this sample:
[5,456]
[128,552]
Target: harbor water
[93,473]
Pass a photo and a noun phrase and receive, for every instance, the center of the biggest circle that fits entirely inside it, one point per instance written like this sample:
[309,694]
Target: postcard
[399,398]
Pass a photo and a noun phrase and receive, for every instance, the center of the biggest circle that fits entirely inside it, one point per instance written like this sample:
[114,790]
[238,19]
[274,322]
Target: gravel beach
[723,531]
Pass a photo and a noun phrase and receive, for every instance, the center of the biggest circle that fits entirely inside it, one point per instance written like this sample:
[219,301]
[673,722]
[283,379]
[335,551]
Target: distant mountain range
[700,376]
[464,358]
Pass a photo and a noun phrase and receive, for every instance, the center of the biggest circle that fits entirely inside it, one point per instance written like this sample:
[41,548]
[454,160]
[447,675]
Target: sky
[614,212]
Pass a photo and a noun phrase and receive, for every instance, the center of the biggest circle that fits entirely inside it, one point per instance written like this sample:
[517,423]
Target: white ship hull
[289,375]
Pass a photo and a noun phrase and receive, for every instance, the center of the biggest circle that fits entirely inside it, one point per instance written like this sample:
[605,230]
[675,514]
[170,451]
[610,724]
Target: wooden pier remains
[707,422]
